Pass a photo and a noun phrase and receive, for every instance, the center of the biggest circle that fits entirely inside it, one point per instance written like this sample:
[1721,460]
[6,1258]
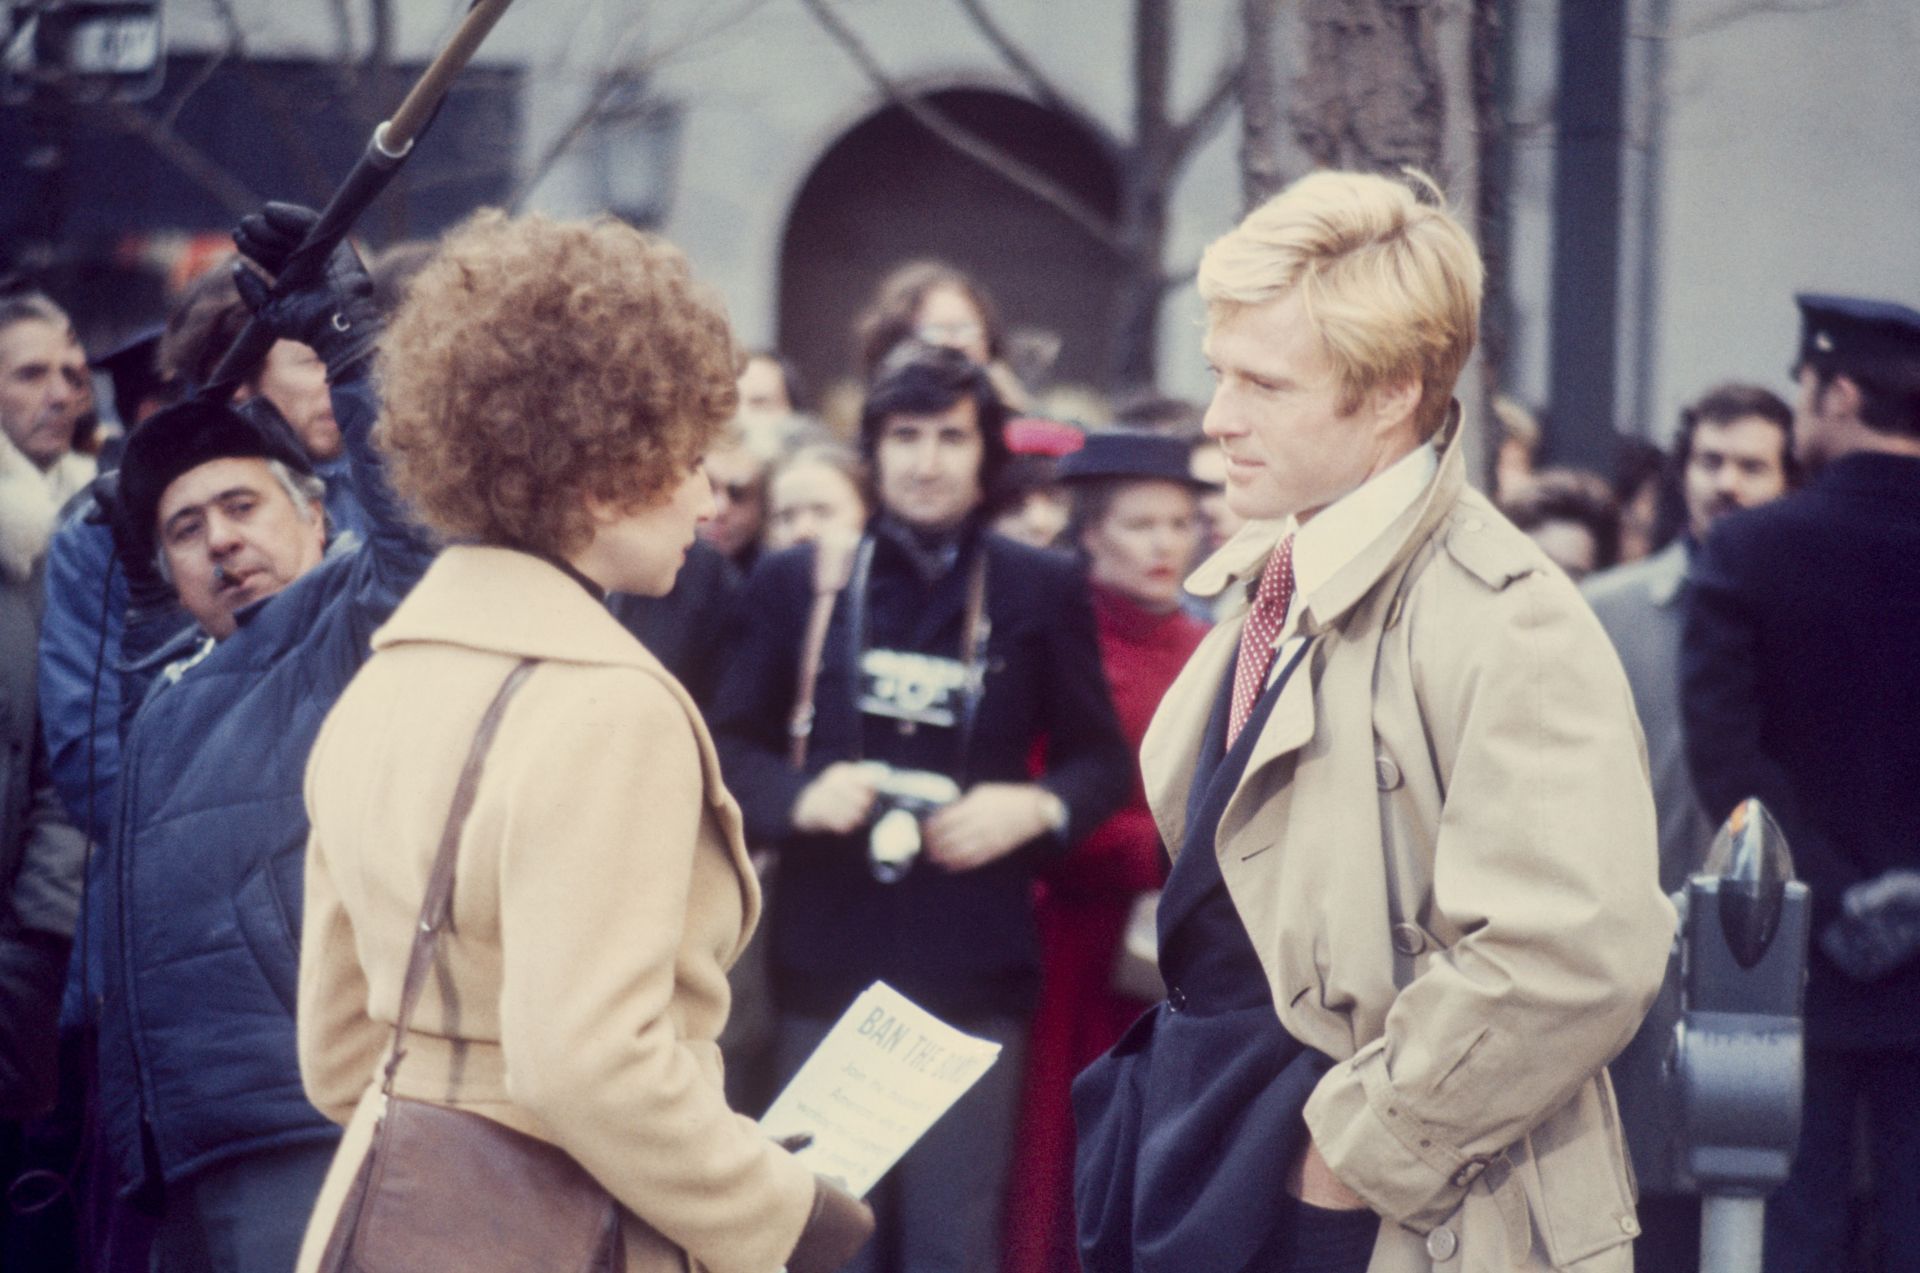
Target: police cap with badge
[1858,337]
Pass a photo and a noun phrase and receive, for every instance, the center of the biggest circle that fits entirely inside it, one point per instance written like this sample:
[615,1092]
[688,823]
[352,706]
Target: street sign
[80,50]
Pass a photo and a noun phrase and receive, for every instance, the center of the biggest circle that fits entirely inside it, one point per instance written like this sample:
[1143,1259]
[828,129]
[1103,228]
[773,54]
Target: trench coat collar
[1241,559]
[512,603]
[1180,725]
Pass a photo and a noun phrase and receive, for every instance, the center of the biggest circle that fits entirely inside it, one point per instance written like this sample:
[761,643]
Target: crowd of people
[944,687]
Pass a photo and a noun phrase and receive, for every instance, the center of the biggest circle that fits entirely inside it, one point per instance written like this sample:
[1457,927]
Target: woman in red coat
[1136,521]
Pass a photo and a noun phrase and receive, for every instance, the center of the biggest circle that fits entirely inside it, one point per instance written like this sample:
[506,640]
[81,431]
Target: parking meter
[1738,1048]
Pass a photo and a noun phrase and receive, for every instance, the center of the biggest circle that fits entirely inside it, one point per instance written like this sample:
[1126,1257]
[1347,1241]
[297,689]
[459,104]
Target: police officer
[1798,686]
[950,656]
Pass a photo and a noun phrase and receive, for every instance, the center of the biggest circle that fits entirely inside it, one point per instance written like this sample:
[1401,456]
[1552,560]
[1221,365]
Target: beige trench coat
[601,894]
[1443,848]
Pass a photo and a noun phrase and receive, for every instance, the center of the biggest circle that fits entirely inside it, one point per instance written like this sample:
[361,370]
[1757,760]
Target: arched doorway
[888,191]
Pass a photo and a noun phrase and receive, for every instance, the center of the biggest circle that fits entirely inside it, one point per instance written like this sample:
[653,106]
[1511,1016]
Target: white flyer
[884,1074]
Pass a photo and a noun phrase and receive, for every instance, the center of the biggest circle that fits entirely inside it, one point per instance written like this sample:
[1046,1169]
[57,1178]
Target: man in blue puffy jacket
[86,600]
[197,894]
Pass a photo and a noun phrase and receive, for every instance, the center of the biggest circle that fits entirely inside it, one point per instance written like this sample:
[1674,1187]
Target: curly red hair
[535,364]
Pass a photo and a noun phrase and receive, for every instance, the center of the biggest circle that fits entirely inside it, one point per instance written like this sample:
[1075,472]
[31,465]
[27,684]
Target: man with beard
[1734,450]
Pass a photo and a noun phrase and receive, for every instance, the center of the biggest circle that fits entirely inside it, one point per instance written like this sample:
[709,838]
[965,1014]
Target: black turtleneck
[572,572]
[932,552]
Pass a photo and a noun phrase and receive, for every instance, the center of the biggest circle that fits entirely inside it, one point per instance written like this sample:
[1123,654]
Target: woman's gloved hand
[839,1226]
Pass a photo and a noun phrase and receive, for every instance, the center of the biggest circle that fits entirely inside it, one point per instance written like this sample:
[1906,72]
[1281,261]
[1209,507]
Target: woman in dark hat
[1136,523]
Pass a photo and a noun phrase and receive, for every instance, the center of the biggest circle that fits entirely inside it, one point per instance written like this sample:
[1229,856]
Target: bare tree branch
[1213,111]
[193,87]
[1037,81]
[968,143]
[234,47]
[1152,78]
[379,34]
[1180,278]
[313,173]
[1740,12]
[1261,120]
[622,75]
[565,140]
[378,89]
[161,132]
[232,193]
[343,31]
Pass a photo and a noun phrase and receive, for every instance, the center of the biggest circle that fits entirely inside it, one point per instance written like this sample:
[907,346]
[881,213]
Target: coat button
[1176,999]
[1629,1226]
[1441,1244]
[1385,773]
[1408,940]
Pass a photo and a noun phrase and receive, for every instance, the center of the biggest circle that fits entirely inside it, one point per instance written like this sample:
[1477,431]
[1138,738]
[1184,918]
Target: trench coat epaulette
[1495,560]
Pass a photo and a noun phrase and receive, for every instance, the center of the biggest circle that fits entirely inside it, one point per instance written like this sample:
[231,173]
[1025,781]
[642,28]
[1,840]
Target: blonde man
[1420,911]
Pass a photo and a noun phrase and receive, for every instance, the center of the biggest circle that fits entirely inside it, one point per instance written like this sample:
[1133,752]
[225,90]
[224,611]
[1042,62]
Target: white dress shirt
[1338,533]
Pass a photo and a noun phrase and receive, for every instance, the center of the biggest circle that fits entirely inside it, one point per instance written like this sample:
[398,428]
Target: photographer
[948,653]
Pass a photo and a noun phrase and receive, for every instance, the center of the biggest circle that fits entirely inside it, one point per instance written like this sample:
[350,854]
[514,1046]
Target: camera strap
[975,630]
[832,568]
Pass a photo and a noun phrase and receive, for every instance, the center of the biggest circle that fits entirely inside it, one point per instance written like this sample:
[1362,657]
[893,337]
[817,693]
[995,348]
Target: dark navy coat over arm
[1799,686]
[1723,694]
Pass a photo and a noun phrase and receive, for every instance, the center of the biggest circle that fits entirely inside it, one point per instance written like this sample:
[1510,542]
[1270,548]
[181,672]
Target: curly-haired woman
[550,389]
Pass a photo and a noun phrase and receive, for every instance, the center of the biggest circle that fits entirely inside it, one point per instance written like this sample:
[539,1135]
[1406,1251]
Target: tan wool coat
[1443,849]
[601,893]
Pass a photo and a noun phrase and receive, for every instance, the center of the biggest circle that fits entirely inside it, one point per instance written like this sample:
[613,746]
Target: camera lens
[893,844]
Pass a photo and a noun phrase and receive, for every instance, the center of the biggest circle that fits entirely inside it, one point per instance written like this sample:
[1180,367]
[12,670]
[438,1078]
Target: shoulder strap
[833,563]
[436,911]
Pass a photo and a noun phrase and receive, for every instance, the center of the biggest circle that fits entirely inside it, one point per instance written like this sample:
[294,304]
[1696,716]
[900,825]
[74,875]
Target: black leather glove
[147,590]
[333,315]
[836,1230]
[1879,927]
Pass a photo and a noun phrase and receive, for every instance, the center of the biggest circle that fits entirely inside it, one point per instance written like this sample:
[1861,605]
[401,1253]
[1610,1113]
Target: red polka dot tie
[1264,621]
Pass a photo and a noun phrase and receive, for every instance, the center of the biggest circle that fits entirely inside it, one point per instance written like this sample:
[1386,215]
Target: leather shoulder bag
[445,1190]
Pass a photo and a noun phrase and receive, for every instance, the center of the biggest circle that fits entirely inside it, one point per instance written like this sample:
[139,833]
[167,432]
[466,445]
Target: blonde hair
[1391,284]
